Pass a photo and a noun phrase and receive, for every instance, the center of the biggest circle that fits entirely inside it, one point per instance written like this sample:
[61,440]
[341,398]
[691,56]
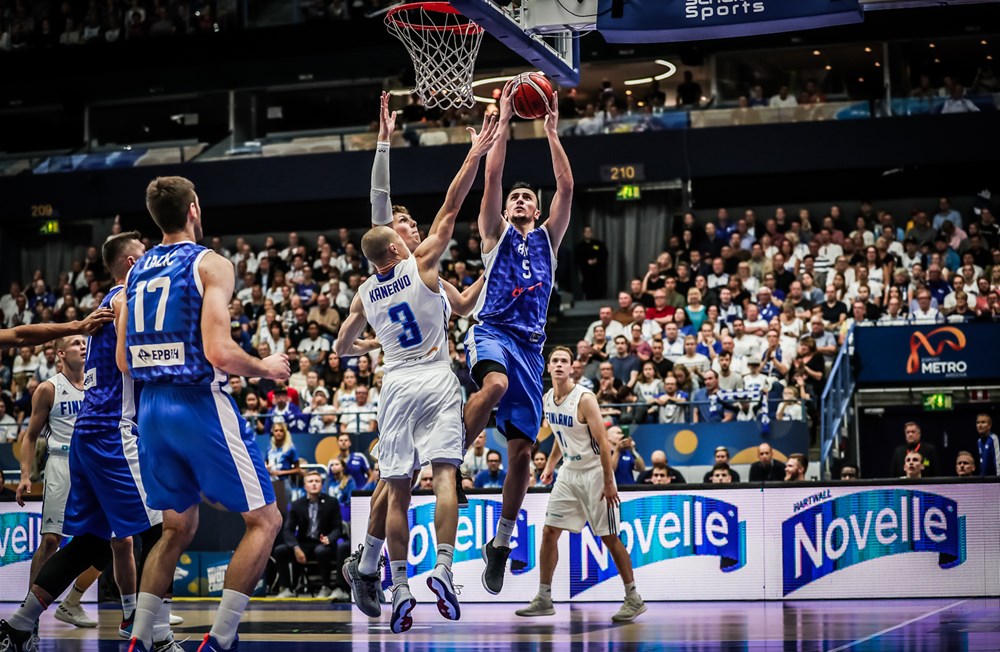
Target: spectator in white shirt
[894,315]
[8,426]
[744,345]
[26,363]
[925,313]
[753,324]
[673,343]
[20,315]
[48,365]
[783,100]
[612,328]
[358,416]
[718,276]
[314,346]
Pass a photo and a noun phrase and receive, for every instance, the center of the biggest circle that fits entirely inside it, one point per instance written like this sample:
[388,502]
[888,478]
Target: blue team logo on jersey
[20,533]
[848,530]
[476,526]
[657,528]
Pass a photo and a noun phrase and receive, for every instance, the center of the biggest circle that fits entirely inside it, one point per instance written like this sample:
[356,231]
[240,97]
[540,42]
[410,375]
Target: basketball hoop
[443,45]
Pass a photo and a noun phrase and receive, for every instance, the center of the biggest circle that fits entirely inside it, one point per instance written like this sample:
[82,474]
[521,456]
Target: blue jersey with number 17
[163,341]
[519,274]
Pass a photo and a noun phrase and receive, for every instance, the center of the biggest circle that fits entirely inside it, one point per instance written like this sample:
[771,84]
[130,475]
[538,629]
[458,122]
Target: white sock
[27,614]
[146,609]
[128,604]
[545,591]
[446,554]
[399,577]
[227,620]
[629,589]
[74,596]
[370,554]
[505,528]
[161,626]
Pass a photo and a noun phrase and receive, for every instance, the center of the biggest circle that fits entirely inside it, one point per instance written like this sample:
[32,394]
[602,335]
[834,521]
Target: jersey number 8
[402,315]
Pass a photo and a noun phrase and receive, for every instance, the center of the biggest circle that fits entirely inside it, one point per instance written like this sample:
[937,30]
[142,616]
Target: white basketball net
[443,46]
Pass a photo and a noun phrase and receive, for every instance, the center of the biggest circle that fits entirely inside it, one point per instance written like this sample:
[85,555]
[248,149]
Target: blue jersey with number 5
[410,319]
[163,342]
[519,273]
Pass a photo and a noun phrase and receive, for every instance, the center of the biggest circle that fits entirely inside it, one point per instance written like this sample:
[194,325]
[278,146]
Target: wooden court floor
[971,625]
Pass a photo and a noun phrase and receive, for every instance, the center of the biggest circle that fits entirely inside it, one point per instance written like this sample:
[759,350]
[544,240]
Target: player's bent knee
[123,545]
[550,532]
[49,543]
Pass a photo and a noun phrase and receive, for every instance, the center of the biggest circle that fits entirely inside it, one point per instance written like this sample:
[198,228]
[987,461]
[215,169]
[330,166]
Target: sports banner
[656,21]
[926,354]
[775,542]
[20,534]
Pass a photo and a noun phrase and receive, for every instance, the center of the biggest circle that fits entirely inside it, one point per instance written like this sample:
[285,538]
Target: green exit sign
[939,402]
[49,227]
[628,192]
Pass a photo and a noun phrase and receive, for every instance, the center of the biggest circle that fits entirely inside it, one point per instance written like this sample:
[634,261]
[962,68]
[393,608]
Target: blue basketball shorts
[521,404]
[194,442]
[107,497]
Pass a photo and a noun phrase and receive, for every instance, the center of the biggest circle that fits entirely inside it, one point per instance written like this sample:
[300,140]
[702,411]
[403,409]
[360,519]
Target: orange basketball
[532,95]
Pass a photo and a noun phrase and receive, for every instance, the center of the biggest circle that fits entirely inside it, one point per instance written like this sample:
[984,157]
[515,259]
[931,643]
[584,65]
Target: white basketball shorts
[55,495]
[576,499]
[419,419]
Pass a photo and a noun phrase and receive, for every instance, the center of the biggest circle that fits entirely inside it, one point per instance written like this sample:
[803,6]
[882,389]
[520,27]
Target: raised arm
[347,344]
[464,302]
[433,247]
[381,201]
[35,334]
[562,203]
[590,412]
[41,405]
[221,351]
[491,221]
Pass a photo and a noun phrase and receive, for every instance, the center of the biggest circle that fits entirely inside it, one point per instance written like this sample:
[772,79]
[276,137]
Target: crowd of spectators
[745,302]
[42,24]
[732,309]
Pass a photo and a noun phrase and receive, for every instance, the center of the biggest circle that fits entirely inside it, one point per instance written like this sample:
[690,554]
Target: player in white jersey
[54,407]
[419,417]
[585,491]
[361,569]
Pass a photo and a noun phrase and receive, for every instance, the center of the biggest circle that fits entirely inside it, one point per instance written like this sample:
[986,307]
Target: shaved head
[381,245]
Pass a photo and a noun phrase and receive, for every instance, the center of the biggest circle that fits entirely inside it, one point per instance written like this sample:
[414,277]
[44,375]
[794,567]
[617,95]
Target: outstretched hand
[507,99]
[552,114]
[487,136]
[387,120]
[93,322]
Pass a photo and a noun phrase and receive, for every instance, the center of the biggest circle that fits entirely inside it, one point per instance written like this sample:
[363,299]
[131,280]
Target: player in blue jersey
[106,496]
[174,337]
[505,348]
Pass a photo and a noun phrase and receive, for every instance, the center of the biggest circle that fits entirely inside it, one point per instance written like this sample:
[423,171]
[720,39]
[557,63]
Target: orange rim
[397,16]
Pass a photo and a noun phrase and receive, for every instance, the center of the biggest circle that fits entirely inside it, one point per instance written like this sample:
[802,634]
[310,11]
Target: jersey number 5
[402,315]
[141,288]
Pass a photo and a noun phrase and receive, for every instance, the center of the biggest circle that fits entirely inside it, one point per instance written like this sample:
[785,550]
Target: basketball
[532,95]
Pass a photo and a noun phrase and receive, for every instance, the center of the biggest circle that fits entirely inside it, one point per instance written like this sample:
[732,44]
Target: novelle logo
[868,525]
[476,526]
[657,528]
[19,536]
[920,344]
[703,10]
